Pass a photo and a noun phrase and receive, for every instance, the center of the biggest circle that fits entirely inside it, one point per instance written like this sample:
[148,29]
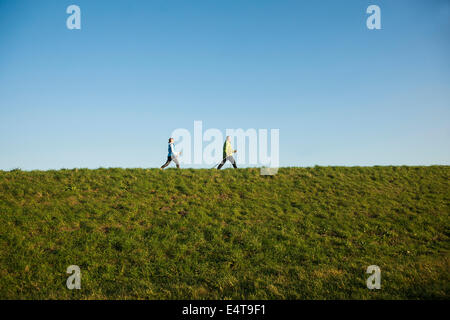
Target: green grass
[305,233]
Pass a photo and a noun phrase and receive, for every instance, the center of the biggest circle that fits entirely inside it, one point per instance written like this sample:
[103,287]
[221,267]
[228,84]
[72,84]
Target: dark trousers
[174,159]
[229,158]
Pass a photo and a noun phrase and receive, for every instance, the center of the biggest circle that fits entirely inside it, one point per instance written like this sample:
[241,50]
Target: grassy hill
[305,233]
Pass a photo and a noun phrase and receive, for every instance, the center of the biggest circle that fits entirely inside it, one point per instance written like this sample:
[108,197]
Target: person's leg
[233,162]
[176,162]
[167,163]
[221,164]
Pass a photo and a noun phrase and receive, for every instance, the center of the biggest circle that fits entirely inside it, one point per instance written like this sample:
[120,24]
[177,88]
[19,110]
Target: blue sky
[110,94]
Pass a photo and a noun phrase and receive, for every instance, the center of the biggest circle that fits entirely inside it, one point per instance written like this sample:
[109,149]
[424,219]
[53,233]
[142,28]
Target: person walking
[227,154]
[172,156]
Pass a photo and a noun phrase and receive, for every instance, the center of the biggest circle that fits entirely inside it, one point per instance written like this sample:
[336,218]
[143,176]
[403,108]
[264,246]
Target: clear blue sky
[110,94]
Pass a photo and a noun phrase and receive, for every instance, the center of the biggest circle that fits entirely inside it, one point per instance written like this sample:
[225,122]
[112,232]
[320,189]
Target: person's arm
[229,149]
[173,150]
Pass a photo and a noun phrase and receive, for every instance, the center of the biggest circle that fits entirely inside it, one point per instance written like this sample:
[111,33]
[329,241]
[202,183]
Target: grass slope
[306,233]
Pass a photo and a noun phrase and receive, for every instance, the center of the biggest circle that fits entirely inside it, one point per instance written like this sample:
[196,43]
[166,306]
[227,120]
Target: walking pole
[221,161]
[218,163]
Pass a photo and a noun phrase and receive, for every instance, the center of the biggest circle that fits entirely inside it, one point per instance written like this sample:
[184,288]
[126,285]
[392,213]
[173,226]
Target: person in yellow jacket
[227,154]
